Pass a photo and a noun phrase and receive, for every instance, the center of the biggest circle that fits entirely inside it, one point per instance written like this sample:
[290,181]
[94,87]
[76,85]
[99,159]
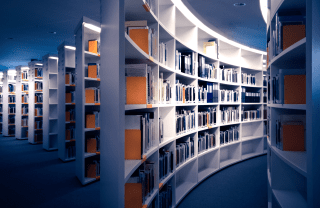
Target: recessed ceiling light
[53,32]
[239,4]
[10,38]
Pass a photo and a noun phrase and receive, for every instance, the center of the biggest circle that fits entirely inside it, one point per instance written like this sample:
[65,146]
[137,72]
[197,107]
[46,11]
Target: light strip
[92,27]
[264,9]
[52,57]
[25,67]
[70,47]
[39,64]
[188,14]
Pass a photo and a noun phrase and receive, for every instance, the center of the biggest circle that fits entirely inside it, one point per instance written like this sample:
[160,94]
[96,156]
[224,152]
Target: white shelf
[183,189]
[130,167]
[296,160]
[288,199]
[250,138]
[289,106]
[205,173]
[228,162]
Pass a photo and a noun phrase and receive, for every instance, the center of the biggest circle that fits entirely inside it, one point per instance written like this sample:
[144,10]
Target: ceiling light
[10,38]
[70,47]
[53,33]
[239,4]
[25,67]
[52,57]
[39,64]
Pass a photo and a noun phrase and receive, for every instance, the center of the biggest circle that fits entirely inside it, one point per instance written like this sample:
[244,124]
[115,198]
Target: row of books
[143,36]
[24,87]
[38,85]
[70,78]
[250,97]
[11,109]
[249,79]
[92,144]
[38,111]
[209,94]
[24,75]
[1,99]
[140,135]
[92,95]
[161,128]
[70,96]
[70,151]
[290,132]
[165,197]
[265,80]
[70,115]
[92,120]
[165,90]
[93,169]
[163,56]
[12,98]
[91,71]
[24,122]
[25,98]
[70,133]
[38,125]
[184,151]
[165,163]
[229,115]
[229,135]
[11,87]
[1,88]
[24,110]
[207,118]
[140,84]
[250,115]
[186,62]
[38,72]
[206,141]
[185,93]
[229,96]
[38,98]
[228,75]
[11,120]
[185,121]
[265,95]
[207,71]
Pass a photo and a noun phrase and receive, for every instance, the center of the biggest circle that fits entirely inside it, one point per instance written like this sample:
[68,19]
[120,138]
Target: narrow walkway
[33,177]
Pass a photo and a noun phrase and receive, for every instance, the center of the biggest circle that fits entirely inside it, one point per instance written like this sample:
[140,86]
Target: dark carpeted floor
[33,177]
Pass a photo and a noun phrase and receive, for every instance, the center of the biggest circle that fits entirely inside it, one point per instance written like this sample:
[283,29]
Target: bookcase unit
[35,118]
[9,110]
[66,143]
[50,102]
[87,129]
[176,26]
[22,96]
[292,173]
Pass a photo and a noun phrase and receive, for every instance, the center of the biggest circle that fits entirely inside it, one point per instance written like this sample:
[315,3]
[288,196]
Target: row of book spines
[93,145]
[70,115]
[92,95]
[70,134]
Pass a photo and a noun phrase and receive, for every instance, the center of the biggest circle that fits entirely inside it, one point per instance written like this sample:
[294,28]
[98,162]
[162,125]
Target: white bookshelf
[292,175]
[21,127]
[180,30]
[86,30]
[35,135]
[9,118]
[1,101]
[66,54]
[50,101]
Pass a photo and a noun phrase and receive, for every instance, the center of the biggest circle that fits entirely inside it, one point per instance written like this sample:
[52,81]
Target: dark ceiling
[27,26]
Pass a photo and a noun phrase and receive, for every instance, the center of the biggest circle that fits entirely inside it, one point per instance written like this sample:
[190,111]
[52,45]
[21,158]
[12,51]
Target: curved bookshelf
[175,26]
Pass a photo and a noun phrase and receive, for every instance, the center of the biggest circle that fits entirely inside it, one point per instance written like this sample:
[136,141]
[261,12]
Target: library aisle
[37,178]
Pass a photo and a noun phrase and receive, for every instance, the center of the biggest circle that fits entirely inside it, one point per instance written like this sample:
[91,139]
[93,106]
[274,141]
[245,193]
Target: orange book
[132,144]
[21,87]
[184,95]
[22,99]
[133,195]
[68,134]
[67,79]
[91,170]
[35,125]
[35,112]
[91,145]
[35,99]
[295,89]
[93,46]
[293,137]
[92,70]
[90,121]
[68,97]
[89,95]
[292,34]
[136,90]
[67,116]
[35,73]
[141,38]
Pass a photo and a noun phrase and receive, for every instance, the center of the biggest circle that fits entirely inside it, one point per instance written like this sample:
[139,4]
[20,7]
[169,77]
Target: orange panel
[68,97]
[90,121]
[140,37]
[67,79]
[136,90]
[91,171]
[92,71]
[293,137]
[133,195]
[292,34]
[132,146]
[93,46]
[295,89]
[68,134]
[67,116]
[91,145]
[89,96]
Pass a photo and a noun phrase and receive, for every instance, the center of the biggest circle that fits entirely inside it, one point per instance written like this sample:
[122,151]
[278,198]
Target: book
[93,46]
[92,70]
[140,36]
[185,121]
[133,137]
[295,89]
[229,115]
[90,121]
